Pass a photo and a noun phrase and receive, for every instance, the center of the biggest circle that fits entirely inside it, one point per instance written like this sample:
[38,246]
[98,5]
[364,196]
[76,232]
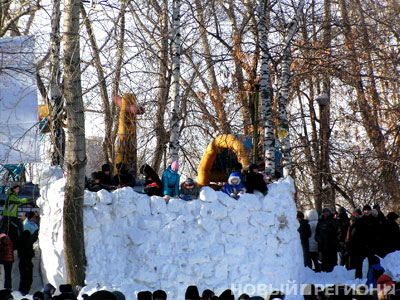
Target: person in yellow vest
[10,210]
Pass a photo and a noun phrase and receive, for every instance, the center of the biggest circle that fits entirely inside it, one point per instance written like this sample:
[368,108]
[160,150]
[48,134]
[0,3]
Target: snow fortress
[134,242]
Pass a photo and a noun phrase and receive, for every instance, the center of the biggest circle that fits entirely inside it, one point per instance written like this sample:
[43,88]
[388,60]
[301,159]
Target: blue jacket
[170,181]
[374,272]
[231,189]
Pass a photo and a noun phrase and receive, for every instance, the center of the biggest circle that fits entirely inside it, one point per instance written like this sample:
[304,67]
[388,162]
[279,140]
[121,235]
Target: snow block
[207,194]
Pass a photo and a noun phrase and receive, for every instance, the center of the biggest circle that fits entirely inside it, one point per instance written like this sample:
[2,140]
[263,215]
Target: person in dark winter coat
[189,190]
[170,179]
[152,181]
[94,184]
[392,233]
[367,230]
[192,293]
[123,177]
[305,233]
[105,175]
[6,259]
[353,246]
[343,223]
[25,254]
[380,218]
[326,236]
[374,271]
[254,180]
[312,217]
[234,187]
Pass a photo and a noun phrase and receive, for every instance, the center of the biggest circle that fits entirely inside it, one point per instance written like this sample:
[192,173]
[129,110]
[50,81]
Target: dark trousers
[7,274]
[328,259]
[26,275]
[314,258]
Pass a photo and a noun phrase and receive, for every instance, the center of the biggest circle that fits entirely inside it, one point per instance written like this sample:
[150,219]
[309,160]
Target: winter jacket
[312,217]
[30,226]
[234,190]
[326,234]
[106,179]
[374,272]
[170,180]
[304,231]
[154,186]
[188,194]
[12,203]
[392,236]
[254,181]
[25,250]
[6,249]
[48,291]
[367,234]
[343,223]
[124,178]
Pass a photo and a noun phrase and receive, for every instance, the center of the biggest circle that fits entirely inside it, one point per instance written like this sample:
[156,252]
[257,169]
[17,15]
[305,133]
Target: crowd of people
[238,183]
[17,234]
[336,238]
[386,291]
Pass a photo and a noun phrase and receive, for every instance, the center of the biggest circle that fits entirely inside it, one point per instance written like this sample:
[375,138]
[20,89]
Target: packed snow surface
[134,242]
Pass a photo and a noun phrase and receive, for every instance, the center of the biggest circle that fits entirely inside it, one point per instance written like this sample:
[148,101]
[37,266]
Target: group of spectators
[169,185]
[17,234]
[336,238]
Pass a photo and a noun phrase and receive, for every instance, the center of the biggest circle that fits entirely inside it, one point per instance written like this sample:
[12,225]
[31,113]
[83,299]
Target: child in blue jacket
[234,187]
[170,180]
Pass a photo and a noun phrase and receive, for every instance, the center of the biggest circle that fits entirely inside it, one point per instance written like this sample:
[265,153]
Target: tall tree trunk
[74,247]
[176,74]
[283,95]
[164,79]
[328,193]
[56,99]
[265,89]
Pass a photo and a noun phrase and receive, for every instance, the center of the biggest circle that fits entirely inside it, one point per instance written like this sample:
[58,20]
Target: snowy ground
[135,243]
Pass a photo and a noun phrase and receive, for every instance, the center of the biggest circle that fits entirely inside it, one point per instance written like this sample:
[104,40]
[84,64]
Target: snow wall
[134,242]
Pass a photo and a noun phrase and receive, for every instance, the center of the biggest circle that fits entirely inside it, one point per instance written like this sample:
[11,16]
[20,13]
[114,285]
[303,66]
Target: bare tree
[74,248]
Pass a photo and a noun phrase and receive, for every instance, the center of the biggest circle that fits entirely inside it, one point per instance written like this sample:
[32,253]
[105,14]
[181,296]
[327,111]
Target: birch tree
[176,54]
[56,100]
[265,91]
[74,248]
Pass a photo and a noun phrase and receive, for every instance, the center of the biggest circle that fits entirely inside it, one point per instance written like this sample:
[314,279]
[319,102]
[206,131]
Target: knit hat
[207,294]
[300,215]
[192,292]
[14,185]
[119,295]
[144,295]
[326,208]
[252,167]
[175,165]
[102,295]
[159,294]
[367,207]
[189,181]
[227,295]
[95,175]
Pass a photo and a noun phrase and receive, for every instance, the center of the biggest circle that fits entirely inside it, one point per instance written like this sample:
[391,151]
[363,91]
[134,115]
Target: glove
[166,198]
[233,195]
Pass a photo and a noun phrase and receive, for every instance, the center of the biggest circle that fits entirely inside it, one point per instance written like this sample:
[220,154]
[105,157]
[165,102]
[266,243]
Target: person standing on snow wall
[170,180]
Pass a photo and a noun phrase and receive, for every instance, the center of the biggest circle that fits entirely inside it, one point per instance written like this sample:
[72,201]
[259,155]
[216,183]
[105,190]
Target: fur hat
[106,168]
[144,295]
[367,207]
[227,295]
[159,294]
[119,295]
[192,292]
[102,295]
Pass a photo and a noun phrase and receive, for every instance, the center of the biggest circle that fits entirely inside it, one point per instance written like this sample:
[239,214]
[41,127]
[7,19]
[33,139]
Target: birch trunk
[265,91]
[284,93]
[176,54]
[74,249]
[56,102]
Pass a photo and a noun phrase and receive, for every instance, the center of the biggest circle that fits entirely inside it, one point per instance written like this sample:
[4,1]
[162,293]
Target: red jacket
[6,250]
